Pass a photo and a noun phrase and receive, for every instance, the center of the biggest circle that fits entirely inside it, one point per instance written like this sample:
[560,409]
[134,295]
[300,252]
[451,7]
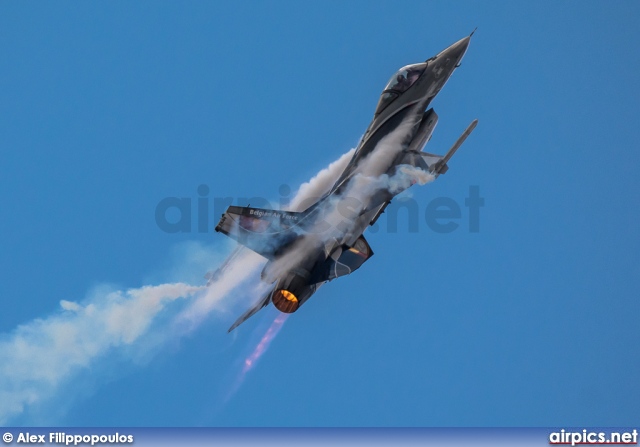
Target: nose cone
[457,50]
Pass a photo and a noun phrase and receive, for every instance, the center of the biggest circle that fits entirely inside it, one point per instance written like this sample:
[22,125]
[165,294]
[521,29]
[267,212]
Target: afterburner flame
[285,301]
[289,296]
[264,343]
[258,351]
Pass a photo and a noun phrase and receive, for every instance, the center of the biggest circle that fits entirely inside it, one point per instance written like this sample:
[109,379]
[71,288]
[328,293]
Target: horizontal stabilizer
[252,311]
[262,230]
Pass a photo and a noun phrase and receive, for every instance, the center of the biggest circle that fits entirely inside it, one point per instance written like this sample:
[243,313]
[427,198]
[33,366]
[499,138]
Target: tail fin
[262,230]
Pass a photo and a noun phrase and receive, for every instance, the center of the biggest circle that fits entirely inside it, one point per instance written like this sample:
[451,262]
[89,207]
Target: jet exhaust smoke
[41,357]
[369,178]
[320,184]
[307,194]
[243,263]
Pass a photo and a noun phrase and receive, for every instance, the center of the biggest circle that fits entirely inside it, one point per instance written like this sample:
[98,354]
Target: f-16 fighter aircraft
[325,241]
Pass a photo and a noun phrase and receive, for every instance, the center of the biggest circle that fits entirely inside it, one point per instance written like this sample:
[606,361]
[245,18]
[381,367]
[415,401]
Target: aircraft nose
[457,50]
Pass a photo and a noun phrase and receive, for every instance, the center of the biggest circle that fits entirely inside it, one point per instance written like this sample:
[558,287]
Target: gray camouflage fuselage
[306,249]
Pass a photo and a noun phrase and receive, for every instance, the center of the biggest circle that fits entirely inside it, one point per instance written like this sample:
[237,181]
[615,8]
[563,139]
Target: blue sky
[107,108]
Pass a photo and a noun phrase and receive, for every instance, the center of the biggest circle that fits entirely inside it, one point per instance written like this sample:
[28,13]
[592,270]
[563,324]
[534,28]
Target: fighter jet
[325,241]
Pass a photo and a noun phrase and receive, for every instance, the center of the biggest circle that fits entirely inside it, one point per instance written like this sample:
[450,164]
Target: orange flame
[259,350]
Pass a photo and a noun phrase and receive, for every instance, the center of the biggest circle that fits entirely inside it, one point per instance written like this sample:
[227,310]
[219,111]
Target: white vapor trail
[39,358]
[338,223]
[369,178]
[243,266]
[246,263]
[320,184]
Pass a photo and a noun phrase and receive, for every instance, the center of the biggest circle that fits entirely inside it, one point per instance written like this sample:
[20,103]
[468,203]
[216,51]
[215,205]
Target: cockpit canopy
[399,83]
